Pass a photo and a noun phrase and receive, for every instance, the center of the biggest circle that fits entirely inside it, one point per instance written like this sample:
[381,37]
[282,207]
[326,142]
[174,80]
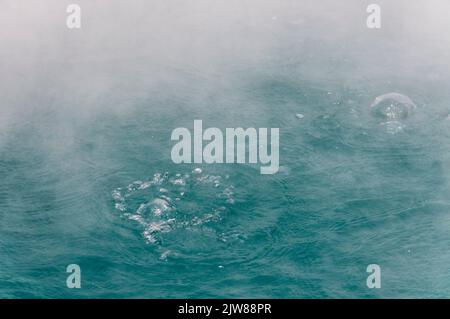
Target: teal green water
[86,158]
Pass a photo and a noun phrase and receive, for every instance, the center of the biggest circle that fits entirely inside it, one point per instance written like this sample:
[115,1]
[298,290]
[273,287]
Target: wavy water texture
[86,175]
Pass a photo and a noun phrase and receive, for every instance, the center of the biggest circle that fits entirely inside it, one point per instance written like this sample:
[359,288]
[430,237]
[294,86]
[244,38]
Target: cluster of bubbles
[167,202]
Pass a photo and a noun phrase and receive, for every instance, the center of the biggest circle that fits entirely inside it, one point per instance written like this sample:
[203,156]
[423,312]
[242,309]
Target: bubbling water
[392,109]
[167,202]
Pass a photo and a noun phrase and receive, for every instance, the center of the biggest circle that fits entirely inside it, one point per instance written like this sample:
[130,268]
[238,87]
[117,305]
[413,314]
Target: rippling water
[86,174]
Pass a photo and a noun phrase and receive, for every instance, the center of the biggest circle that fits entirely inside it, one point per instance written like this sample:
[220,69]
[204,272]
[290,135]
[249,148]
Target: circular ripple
[169,202]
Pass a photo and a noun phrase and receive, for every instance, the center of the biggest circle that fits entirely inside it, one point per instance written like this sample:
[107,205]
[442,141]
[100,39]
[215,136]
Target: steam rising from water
[84,113]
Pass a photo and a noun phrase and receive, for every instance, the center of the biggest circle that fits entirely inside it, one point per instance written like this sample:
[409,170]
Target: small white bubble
[179,181]
[164,255]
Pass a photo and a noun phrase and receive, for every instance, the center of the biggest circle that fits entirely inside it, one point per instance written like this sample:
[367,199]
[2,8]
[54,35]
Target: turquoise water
[85,161]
